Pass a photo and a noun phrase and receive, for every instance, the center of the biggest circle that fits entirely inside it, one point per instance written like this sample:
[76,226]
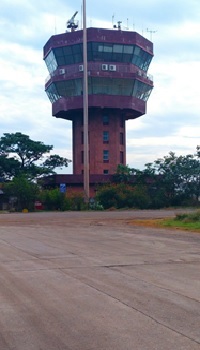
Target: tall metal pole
[85,109]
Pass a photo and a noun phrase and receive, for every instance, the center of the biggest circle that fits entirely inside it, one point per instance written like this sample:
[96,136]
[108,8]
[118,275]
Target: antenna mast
[151,32]
[113,16]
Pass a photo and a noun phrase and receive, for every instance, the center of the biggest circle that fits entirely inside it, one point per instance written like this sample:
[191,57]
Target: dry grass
[168,223]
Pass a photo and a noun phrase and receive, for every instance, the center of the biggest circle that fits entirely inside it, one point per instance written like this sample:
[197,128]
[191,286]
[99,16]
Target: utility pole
[86,181]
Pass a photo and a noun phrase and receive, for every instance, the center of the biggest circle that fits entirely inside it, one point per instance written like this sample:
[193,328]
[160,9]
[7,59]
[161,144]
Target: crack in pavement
[134,308]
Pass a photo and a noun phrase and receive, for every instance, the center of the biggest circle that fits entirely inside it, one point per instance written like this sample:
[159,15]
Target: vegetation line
[184,221]
[27,182]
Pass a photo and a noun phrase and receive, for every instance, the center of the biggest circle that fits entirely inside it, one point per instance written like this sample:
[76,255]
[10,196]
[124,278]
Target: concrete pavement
[97,281]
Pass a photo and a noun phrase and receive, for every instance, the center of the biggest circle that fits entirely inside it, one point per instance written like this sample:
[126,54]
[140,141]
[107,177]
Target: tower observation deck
[118,89]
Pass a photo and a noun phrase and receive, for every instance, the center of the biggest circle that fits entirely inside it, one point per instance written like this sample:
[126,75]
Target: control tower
[118,89]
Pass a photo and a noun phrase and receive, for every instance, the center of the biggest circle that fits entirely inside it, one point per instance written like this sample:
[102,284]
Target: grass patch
[192,226]
[184,221]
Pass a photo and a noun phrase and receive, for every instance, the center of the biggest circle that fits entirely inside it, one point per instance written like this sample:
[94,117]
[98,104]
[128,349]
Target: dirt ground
[123,216]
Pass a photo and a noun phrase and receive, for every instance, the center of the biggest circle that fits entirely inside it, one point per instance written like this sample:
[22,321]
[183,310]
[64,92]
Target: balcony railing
[97,67]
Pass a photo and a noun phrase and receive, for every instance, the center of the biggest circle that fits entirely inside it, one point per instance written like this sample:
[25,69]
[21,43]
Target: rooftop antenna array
[118,25]
[71,23]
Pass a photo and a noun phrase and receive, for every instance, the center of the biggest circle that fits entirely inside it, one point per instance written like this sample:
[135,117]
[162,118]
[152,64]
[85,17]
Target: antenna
[81,16]
[113,16]
[55,26]
[71,23]
[151,32]
[127,24]
[127,27]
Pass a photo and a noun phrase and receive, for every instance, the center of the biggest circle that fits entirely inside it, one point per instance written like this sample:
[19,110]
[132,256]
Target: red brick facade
[107,143]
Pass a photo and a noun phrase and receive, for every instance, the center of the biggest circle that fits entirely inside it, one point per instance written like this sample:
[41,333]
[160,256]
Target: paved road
[97,281]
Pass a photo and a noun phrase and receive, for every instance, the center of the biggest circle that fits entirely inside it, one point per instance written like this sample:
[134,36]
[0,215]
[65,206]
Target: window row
[98,51]
[105,172]
[99,86]
[106,137]
[106,120]
[106,157]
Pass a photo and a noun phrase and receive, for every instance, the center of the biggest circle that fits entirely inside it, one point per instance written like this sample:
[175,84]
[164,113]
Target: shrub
[76,201]
[191,217]
[23,191]
[123,196]
[108,196]
[54,200]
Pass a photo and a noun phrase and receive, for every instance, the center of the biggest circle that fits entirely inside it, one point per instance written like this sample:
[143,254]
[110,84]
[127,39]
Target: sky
[172,122]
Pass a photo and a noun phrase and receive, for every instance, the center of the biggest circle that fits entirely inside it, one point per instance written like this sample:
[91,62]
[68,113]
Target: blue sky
[172,122]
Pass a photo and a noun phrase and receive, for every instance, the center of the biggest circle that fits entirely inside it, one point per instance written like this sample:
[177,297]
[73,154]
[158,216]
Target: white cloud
[172,120]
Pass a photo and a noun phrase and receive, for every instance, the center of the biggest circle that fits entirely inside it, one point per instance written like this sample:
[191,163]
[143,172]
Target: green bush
[123,196]
[108,196]
[141,197]
[158,198]
[76,201]
[23,191]
[191,217]
[54,200]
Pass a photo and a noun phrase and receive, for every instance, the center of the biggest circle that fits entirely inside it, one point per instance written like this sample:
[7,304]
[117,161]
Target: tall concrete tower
[118,89]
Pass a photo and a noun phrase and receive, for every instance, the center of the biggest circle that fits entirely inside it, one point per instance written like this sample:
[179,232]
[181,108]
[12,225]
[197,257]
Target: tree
[123,174]
[23,191]
[55,161]
[198,151]
[21,155]
[176,177]
[8,167]
[190,176]
[168,169]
